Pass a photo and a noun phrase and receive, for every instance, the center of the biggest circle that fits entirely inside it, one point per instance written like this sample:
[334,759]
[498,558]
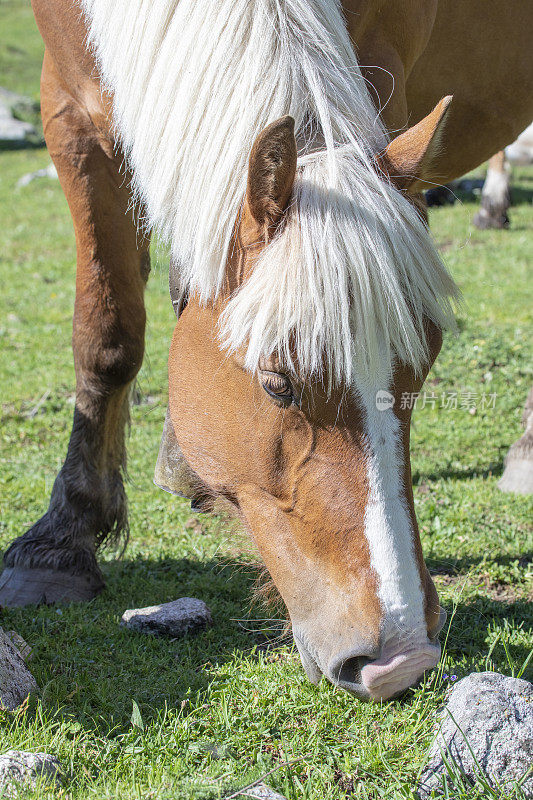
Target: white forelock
[193,82]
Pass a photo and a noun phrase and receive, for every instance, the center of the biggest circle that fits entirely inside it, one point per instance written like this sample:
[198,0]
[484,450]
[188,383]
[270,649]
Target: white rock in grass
[19,768]
[47,172]
[12,129]
[177,618]
[488,719]
[262,792]
[16,681]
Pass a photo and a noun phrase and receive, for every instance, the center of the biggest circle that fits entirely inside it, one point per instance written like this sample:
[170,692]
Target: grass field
[132,716]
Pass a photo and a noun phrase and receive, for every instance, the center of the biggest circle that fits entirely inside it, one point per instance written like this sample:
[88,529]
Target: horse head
[317,468]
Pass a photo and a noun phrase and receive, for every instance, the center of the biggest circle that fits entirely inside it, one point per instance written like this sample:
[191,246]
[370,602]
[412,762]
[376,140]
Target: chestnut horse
[308,292]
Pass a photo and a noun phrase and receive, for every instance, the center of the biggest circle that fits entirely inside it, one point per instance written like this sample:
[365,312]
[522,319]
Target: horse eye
[278,386]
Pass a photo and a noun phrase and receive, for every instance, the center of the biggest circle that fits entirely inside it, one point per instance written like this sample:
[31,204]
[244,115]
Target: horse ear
[271,171]
[410,157]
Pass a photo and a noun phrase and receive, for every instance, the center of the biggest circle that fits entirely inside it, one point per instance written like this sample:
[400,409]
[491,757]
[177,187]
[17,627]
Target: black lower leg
[56,558]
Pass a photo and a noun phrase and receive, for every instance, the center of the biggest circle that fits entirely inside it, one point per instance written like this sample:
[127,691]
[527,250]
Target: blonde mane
[349,279]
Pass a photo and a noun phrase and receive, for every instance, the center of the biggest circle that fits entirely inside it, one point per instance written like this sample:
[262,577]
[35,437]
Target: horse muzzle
[380,678]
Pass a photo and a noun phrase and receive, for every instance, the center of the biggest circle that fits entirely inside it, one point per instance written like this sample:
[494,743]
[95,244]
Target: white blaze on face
[388,526]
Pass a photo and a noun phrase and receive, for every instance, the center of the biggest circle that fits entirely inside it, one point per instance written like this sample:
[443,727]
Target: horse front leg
[495,195]
[56,558]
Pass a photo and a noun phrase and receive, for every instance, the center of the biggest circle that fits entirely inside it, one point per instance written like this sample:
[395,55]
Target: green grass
[220,709]
[21,48]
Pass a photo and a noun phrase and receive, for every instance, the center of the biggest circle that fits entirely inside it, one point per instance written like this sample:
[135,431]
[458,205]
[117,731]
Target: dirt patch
[496,590]
[506,592]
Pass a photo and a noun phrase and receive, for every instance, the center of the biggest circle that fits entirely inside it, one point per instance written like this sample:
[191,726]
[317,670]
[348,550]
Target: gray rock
[12,129]
[489,716]
[19,101]
[47,172]
[19,768]
[216,750]
[262,792]
[16,681]
[186,615]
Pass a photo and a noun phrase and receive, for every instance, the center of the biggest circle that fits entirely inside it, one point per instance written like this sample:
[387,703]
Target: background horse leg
[518,473]
[55,559]
[495,196]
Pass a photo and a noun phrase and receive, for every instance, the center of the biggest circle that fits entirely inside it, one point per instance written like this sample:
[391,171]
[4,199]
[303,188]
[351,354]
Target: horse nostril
[350,671]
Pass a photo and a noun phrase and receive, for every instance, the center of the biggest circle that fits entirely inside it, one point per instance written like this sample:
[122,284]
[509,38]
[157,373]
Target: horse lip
[314,672]
[393,673]
[357,689]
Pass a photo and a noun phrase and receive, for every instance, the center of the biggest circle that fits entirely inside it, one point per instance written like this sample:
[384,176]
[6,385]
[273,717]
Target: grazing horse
[308,292]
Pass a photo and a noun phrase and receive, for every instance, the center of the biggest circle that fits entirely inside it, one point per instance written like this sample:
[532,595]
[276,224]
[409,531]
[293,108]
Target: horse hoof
[485,220]
[20,586]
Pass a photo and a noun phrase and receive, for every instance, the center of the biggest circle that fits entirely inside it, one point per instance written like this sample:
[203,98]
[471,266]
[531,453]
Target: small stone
[488,719]
[19,768]
[177,618]
[216,750]
[262,792]
[16,681]
[11,128]
[47,172]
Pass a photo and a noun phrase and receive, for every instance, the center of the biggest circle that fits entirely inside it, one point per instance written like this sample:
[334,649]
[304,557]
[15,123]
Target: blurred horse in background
[496,194]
